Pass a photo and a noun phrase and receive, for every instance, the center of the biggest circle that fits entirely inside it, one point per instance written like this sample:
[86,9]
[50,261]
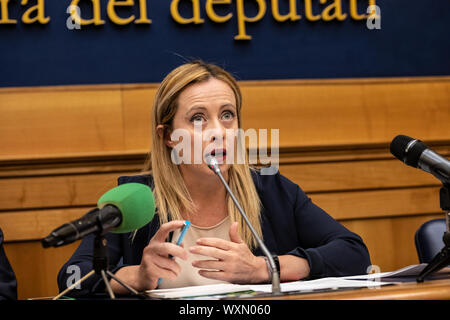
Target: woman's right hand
[156,262]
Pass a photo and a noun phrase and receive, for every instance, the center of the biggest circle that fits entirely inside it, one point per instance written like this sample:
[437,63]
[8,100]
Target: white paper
[320,284]
[195,291]
[358,281]
[217,289]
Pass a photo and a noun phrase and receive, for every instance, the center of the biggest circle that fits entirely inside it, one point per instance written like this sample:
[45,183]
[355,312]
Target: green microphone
[136,203]
[122,209]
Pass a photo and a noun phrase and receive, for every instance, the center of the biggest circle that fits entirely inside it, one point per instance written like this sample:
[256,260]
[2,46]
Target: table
[428,290]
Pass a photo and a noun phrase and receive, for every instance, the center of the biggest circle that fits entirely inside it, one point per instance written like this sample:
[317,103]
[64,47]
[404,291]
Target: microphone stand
[276,289]
[442,259]
[100,267]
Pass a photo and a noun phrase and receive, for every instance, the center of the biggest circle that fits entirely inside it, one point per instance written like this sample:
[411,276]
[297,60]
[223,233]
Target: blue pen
[180,239]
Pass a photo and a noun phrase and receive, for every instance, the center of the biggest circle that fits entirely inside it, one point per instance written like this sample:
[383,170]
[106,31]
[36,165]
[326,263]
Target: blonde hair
[170,192]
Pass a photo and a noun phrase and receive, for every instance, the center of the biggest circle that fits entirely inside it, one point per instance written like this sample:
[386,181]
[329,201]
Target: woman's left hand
[232,260]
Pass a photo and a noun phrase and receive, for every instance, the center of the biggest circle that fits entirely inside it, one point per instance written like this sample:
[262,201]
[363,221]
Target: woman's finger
[209,264]
[167,249]
[167,264]
[216,242]
[166,228]
[215,275]
[209,252]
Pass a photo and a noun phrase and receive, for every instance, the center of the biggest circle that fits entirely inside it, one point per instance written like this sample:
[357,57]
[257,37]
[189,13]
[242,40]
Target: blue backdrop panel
[414,40]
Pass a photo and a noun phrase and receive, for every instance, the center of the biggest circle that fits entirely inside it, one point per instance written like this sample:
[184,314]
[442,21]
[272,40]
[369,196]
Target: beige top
[189,275]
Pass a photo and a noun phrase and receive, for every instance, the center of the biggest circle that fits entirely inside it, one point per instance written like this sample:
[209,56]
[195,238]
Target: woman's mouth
[219,154]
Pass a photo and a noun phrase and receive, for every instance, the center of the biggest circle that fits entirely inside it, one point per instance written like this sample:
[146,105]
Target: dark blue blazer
[291,224]
[8,282]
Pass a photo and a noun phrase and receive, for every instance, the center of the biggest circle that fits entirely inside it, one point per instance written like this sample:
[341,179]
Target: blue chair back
[428,239]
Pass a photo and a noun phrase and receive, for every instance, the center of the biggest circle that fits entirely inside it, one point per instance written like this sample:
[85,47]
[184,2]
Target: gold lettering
[96,19]
[308,12]
[292,15]
[143,19]
[39,8]
[195,13]
[354,10]
[242,18]
[112,12]
[213,15]
[4,17]
[337,11]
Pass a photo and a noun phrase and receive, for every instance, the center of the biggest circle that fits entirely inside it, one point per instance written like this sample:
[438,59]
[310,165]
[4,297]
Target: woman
[219,246]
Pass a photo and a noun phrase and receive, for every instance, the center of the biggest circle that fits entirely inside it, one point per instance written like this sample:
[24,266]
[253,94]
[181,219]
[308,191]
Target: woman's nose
[217,132]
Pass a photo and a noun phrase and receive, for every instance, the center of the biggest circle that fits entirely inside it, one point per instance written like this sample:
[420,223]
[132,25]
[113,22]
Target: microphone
[416,154]
[122,209]
[214,166]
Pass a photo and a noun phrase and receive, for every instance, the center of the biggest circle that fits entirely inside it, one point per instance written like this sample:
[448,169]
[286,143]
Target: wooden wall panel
[379,203]
[44,122]
[349,112]
[36,268]
[137,111]
[62,147]
[59,191]
[36,224]
[87,119]
[355,175]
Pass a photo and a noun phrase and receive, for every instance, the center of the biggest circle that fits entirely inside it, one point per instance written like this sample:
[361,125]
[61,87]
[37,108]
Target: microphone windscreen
[398,146]
[136,203]
[404,151]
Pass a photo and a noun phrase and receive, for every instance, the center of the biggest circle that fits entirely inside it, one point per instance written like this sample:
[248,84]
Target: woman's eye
[197,118]
[227,115]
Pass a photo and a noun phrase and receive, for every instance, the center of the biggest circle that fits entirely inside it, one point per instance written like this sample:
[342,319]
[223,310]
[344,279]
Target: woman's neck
[209,197]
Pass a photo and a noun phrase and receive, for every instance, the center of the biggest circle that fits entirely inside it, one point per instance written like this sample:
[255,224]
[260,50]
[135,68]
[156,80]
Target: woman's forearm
[293,268]
[129,275]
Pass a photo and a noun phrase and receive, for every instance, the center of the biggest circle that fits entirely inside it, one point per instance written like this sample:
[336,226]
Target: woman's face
[206,114]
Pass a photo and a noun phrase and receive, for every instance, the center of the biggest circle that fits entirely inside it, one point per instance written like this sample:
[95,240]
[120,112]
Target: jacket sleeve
[330,248]
[8,282]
